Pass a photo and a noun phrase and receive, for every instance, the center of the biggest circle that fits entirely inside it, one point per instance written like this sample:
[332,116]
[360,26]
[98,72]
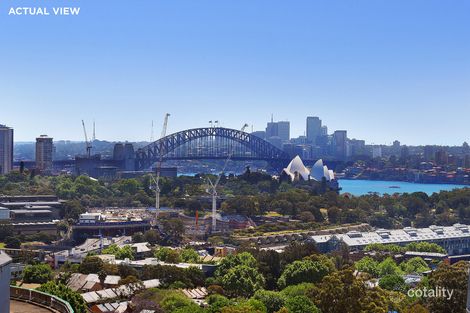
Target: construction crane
[88,143]
[159,167]
[94,132]
[213,189]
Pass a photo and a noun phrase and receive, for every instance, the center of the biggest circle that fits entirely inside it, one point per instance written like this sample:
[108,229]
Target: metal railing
[40,298]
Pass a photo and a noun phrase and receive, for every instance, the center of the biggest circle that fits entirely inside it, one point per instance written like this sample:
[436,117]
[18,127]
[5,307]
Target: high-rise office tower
[428,153]
[441,157]
[314,129]
[271,130]
[6,149]
[278,129]
[395,150]
[44,153]
[340,138]
[324,130]
[376,152]
[358,147]
[283,130]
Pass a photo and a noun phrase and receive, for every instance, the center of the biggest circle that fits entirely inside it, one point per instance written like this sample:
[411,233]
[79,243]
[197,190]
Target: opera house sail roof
[296,170]
[296,166]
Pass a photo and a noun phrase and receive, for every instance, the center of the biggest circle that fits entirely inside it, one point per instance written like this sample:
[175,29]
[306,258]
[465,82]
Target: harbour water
[363,187]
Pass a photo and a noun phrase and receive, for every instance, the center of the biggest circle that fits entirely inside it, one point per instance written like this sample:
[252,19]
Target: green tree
[301,304]
[122,270]
[424,247]
[111,249]
[176,302]
[168,275]
[368,265]
[72,209]
[242,281]
[39,273]
[152,236]
[269,266]
[125,252]
[168,255]
[297,251]
[12,242]
[305,271]
[257,305]
[241,205]
[380,247]
[216,303]
[392,282]
[272,300]
[306,217]
[303,289]
[242,308]
[189,255]
[388,267]
[75,300]
[416,308]
[129,280]
[340,290]
[453,278]
[102,276]
[333,215]
[414,265]
[138,237]
[174,228]
[129,186]
[90,265]
[232,260]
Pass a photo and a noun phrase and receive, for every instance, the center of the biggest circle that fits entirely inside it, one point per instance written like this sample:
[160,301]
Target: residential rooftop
[399,236]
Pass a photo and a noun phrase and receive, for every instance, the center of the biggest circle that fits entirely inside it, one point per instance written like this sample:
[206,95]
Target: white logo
[437,292]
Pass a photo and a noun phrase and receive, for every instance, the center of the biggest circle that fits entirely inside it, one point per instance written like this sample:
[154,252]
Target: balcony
[24,300]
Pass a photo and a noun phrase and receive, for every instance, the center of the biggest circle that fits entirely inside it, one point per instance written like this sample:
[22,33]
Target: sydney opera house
[297,171]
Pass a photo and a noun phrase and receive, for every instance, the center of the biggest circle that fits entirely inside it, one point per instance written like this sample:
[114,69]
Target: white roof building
[297,170]
[112,280]
[455,239]
[121,291]
[320,170]
[297,167]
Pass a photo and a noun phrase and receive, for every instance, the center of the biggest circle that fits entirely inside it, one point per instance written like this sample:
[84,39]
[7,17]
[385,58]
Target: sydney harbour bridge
[210,143]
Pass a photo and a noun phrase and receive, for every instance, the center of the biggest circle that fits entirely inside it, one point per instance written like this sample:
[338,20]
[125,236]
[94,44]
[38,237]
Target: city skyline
[354,66]
[155,131]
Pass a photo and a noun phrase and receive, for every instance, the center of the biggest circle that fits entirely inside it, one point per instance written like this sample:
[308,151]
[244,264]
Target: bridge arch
[260,148]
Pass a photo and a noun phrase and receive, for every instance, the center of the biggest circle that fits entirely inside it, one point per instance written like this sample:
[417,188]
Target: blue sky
[383,70]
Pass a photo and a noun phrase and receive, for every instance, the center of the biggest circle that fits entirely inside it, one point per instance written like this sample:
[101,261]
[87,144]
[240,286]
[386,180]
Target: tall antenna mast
[151,133]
